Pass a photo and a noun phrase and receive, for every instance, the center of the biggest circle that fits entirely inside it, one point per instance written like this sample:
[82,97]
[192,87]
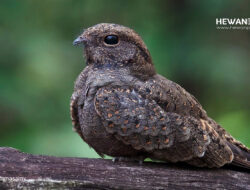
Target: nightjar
[122,108]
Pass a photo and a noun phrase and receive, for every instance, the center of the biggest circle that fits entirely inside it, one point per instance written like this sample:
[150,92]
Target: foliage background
[38,63]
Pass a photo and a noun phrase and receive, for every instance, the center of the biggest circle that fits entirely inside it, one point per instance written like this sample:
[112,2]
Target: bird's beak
[79,40]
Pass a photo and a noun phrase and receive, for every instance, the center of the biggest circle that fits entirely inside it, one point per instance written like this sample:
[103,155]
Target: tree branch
[21,170]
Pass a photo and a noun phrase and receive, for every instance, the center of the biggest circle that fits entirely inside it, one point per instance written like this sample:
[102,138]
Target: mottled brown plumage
[122,108]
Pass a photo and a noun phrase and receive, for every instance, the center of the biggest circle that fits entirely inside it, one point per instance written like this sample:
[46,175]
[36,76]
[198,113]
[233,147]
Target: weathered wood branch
[21,170]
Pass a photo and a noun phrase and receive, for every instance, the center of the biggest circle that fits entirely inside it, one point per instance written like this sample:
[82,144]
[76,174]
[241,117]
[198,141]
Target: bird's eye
[111,39]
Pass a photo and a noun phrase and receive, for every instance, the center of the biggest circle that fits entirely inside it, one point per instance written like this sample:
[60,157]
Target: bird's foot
[138,159]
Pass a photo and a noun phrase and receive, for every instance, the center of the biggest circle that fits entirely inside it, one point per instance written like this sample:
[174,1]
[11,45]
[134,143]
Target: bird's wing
[144,125]
[178,100]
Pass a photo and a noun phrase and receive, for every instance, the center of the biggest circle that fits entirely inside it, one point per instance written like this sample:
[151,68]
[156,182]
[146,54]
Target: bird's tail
[241,156]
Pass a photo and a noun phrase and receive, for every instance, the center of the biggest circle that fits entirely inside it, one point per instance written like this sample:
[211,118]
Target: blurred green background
[38,64]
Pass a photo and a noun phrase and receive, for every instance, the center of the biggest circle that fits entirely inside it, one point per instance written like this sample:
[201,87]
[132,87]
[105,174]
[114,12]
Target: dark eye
[111,39]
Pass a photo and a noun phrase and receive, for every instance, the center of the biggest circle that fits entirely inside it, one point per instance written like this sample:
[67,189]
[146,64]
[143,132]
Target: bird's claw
[129,159]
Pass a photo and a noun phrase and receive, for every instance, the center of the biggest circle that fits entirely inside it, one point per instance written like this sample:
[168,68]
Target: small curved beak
[79,40]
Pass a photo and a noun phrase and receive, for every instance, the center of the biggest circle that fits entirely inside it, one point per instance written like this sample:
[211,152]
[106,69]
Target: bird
[122,108]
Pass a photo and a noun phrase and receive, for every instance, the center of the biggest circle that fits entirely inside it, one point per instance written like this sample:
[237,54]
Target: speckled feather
[122,108]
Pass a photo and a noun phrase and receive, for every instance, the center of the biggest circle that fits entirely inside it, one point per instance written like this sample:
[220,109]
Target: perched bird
[122,108]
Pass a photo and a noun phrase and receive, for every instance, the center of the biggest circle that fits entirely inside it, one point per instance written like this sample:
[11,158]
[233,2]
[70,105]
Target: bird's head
[113,45]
